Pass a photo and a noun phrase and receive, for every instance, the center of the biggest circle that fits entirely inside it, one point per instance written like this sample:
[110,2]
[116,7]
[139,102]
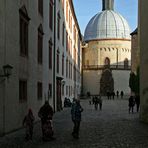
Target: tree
[134,81]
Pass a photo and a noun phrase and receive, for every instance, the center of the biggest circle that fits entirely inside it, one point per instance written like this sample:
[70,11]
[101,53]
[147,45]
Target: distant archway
[107,62]
[106,82]
[126,63]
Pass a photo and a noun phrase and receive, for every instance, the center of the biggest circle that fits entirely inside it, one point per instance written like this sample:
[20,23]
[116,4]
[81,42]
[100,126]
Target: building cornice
[109,39]
[75,18]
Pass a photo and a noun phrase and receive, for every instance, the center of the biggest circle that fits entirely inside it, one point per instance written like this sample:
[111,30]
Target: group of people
[111,95]
[96,100]
[134,100]
[46,114]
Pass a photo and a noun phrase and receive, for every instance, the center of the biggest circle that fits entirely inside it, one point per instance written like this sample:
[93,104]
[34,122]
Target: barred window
[23,90]
[24,22]
[39,90]
[40,7]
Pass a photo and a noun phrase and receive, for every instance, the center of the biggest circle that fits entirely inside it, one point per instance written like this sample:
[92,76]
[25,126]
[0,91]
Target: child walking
[28,123]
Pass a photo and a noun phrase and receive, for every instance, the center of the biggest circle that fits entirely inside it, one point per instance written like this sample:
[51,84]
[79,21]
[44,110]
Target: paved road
[113,127]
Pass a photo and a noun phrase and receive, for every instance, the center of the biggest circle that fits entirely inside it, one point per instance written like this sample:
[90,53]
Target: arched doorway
[126,63]
[106,82]
[107,62]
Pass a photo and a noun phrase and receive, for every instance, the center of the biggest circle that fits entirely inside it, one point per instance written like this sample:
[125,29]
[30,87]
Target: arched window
[40,44]
[126,63]
[24,24]
[107,61]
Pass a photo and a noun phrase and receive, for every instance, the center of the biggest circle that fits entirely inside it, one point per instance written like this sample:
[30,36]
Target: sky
[86,9]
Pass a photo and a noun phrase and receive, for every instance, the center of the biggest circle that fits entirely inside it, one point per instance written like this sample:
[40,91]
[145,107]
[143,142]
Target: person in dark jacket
[122,93]
[131,104]
[76,117]
[46,114]
[28,124]
[100,102]
[96,103]
[137,101]
[117,93]
[113,95]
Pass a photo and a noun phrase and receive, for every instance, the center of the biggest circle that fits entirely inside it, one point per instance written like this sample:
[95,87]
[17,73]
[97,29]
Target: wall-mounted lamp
[7,71]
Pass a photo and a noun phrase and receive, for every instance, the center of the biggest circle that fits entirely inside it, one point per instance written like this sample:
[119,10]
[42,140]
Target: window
[74,54]
[62,90]
[23,90]
[70,23]
[40,44]
[40,7]
[63,30]
[24,21]
[51,14]
[74,33]
[69,19]
[66,68]
[63,4]
[74,73]
[63,64]
[69,69]
[66,90]
[57,62]
[50,54]
[50,90]
[66,11]
[58,25]
[66,41]
[39,90]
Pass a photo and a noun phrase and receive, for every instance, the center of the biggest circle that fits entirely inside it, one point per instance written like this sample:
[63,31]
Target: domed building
[107,52]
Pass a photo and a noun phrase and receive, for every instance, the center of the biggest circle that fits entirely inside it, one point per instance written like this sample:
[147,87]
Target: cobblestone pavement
[113,127]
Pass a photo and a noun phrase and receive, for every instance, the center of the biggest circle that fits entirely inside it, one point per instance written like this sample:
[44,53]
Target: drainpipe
[4,96]
[54,54]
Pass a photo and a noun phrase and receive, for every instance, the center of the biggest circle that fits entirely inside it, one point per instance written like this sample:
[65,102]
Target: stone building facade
[106,52]
[33,41]
[142,36]
[135,51]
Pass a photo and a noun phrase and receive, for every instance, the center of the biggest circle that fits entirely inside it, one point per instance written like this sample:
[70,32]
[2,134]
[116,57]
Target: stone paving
[113,127]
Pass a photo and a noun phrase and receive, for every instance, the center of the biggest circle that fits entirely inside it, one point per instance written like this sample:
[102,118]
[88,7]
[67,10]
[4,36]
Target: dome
[106,25]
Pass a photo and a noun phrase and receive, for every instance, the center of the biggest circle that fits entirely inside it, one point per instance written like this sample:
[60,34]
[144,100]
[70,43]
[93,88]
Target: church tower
[107,5]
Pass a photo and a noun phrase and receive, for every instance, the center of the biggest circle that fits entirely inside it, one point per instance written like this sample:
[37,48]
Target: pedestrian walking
[117,93]
[113,94]
[137,101]
[93,100]
[46,114]
[28,123]
[96,103]
[108,95]
[76,117]
[122,93]
[100,102]
[131,104]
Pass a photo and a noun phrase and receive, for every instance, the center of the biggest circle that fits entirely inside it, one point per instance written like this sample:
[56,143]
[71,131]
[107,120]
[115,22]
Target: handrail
[114,67]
